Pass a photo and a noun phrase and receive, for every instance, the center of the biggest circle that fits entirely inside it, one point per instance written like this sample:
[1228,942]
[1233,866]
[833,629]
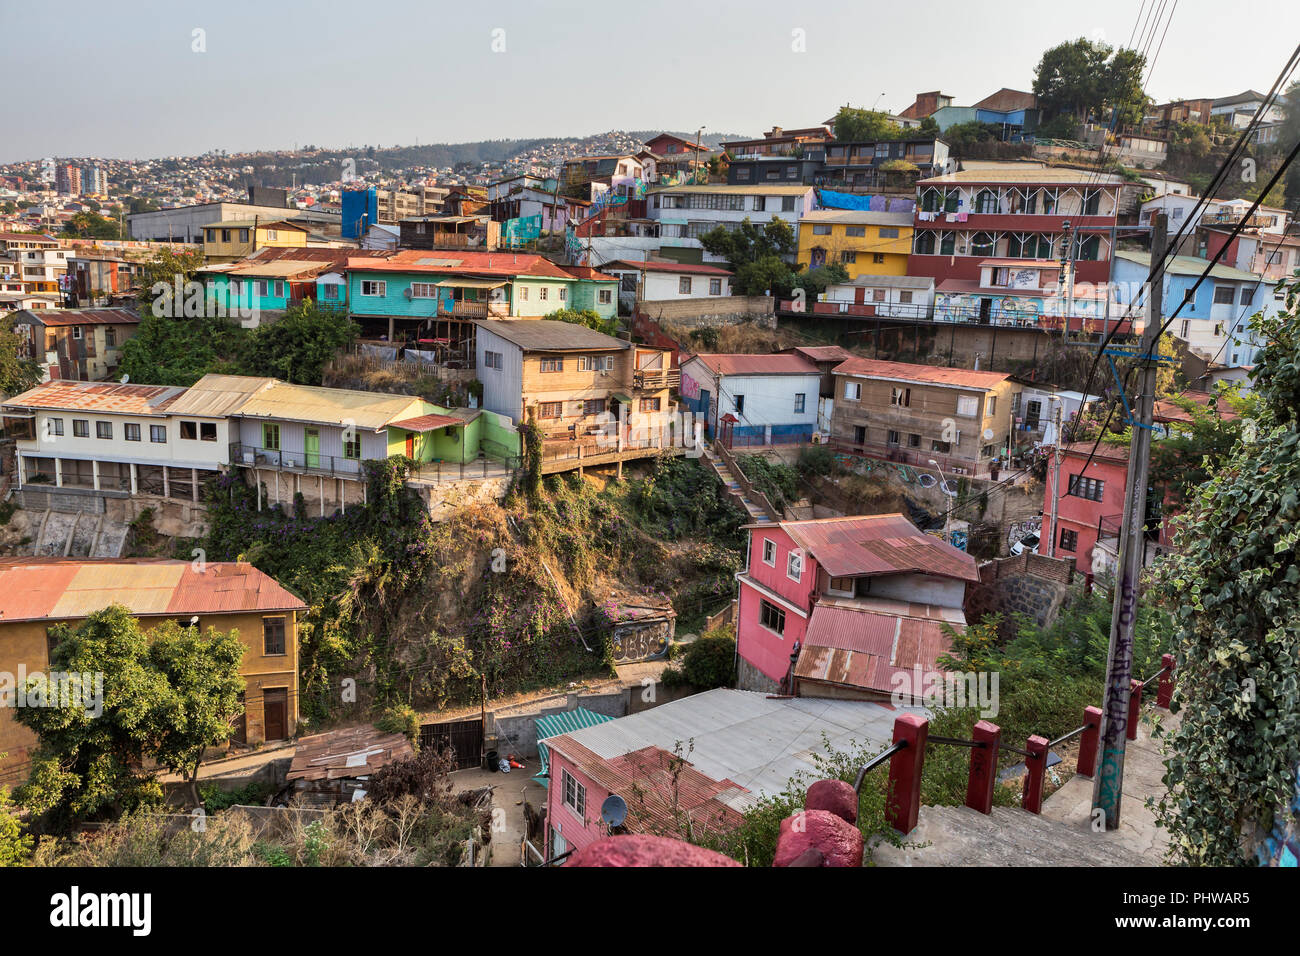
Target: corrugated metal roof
[99,397]
[822,353]
[61,318]
[861,648]
[345,754]
[878,544]
[1189,266]
[552,725]
[548,335]
[218,395]
[70,588]
[1025,174]
[755,741]
[685,268]
[858,217]
[777,363]
[926,374]
[316,404]
[426,423]
[469,263]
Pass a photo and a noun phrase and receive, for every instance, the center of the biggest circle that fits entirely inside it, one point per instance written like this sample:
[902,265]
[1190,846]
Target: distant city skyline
[179,79]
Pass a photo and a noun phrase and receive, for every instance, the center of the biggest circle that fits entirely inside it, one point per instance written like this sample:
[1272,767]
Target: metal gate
[464,737]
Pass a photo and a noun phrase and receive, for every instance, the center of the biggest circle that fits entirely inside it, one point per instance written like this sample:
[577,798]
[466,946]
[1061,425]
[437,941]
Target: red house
[840,607]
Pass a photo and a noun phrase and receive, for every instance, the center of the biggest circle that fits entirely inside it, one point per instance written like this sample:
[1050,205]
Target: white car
[1029,543]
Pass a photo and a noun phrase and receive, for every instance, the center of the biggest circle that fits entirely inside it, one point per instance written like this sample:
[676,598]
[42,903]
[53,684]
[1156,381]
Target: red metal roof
[426,423]
[822,353]
[99,397]
[39,588]
[452,262]
[902,371]
[878,544]
[690,268]
[774,364]
[51,319]
[865,649]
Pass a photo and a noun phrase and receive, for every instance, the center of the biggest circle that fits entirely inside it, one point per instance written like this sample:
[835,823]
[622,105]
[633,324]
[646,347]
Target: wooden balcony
[655,379]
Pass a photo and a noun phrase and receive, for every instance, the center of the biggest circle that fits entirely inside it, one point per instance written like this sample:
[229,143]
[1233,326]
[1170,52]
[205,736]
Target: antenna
[613,811]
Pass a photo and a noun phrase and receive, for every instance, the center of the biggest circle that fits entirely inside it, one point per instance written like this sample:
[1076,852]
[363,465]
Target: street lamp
[947,517]
[1057,438]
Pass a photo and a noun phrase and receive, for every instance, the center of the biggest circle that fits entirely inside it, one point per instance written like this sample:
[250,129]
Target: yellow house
[239,239]
[37,593]
[865,243]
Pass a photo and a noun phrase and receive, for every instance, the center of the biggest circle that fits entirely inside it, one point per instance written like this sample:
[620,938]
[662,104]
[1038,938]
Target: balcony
[301,462]
[655,379]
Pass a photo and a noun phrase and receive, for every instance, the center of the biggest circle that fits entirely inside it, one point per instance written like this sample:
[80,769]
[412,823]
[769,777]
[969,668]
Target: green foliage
[166,697]
[1083,78]
[1235,584]
[588,317]
[708,662]
[776,479]
[91,225]
[756,255]
[16,374]
[180,351]
[816,460]
[296,346]
[401,719]
[856,125]
[215,799]
[15,845]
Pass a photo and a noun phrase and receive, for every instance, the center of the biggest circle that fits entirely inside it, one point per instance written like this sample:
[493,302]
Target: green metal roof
[552,725]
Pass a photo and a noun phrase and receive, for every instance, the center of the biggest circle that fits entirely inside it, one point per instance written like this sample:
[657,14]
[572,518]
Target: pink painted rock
[834,795]
[837,841]
[640,849]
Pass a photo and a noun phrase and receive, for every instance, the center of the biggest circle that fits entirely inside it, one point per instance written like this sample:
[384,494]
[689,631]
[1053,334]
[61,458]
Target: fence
[748,487]
[446,471]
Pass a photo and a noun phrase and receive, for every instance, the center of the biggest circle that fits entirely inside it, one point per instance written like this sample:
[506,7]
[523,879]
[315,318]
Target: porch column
[257,483]
[194,485]
[135,483]
[167,485]
[19,468]
[94,473]
[58,472]
[391,330]
[320,486]
[277,486]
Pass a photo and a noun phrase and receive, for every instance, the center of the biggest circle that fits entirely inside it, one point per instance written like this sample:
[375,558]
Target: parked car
[1029,543]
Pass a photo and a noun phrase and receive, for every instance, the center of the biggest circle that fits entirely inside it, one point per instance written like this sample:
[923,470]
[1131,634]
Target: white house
[661,281]
[772,399]
[692,211]
[907,297]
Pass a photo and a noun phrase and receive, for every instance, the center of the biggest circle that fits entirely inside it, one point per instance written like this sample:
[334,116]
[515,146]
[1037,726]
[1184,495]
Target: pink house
[839,607]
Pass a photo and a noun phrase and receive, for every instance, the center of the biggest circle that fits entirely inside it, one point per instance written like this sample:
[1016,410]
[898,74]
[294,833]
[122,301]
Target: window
[80,428]
[550,409]
[492,359]
[684,285]
[892,438]
[272,235]
[605,296]
[860,232]
[877,295]
[270,436]
[553,365]
[76,331]
[968,406]
[564,294]
[889,232]
[1069,540]
[225,235]
[739,402]
[821,230]
[787,204]
[649,405]
[272,635]
[992,406]
[376,287]
[352,447]
[262,287]
[988,451]
[131,431]
[742,174]
[158,434]
[794,565]
[771,617]
[575,794]
[190,431]
[799,400]
[878,258]
[279,288]
[1189,297]
[859,434]
[103,429]
[715,287]
[841,585]
[913,441]
[769,552]
[942,447]
[1246,295]
[110,337]
[424,290]
[543,292]
[1224,295]
[523,293]
[54,426]
[848,257]
[593,406]
[902,397]
[207,431]
[243,235]
[925,244]
[853,391]
[1090,488]
[1184,328]
[905,297]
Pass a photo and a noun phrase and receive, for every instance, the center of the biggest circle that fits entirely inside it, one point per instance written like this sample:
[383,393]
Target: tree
[1235,586]
[588,317]
[163,703]
[15,845]
[297,346]
[91,225]
[756,255]
[1083,78]
[856,125]
[17,374]
[167,267]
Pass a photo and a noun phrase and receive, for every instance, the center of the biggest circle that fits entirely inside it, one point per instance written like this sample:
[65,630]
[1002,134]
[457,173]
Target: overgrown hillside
[424,612]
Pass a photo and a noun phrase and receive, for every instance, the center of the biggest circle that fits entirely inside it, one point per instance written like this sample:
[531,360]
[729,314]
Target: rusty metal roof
[60,318]
[61,589]
[861,648]
[219,395]
[778,363]
[99,397]
[426,423]
[548,335]
[925,374]
[878,544]
[351,752]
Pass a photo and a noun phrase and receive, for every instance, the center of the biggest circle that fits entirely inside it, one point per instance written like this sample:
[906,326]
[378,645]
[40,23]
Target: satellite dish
[613,811]
[988,434]
[124,379]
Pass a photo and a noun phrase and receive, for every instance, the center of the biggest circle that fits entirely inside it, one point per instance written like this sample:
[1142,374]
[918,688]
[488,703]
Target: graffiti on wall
[1018,529]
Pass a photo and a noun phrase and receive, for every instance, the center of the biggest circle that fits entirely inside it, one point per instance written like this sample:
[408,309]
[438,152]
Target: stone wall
[1029,584]
[749,677]
[713,311]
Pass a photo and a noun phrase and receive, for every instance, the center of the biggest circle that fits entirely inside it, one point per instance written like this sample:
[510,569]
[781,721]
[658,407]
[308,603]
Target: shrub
[401,719]
[816,460]
[707,663]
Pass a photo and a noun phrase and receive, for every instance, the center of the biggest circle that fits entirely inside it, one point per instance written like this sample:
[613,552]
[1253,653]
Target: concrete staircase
[78,534]
[756,514]
[1009,836]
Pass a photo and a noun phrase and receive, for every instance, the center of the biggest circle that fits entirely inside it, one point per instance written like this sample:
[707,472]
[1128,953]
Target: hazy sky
[123,79]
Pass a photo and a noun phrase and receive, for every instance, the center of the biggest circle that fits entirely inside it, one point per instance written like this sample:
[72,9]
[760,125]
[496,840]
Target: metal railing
[481,468]
[253,456]
[655,379]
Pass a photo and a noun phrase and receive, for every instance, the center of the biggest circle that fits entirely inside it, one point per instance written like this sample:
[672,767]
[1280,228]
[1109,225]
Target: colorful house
[772,399]
[863,242]
[232,240]
[840,607]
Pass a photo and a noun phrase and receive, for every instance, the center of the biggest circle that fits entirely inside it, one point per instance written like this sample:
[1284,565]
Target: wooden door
[275,712]
[410,444]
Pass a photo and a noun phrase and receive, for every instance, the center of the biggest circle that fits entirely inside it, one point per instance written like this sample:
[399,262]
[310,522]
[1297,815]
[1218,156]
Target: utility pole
[1056,478]
[1109,782]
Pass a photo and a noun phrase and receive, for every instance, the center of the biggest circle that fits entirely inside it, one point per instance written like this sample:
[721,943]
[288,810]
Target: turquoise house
[249,288]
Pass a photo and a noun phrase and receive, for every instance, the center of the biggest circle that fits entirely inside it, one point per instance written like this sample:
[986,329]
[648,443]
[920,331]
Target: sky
[144,79]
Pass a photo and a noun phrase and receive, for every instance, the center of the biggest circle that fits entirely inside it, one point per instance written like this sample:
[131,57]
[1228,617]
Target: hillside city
[898,485]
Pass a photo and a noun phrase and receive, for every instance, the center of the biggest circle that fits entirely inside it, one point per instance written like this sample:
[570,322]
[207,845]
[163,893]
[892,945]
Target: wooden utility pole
[1109,782]
[1057,439]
